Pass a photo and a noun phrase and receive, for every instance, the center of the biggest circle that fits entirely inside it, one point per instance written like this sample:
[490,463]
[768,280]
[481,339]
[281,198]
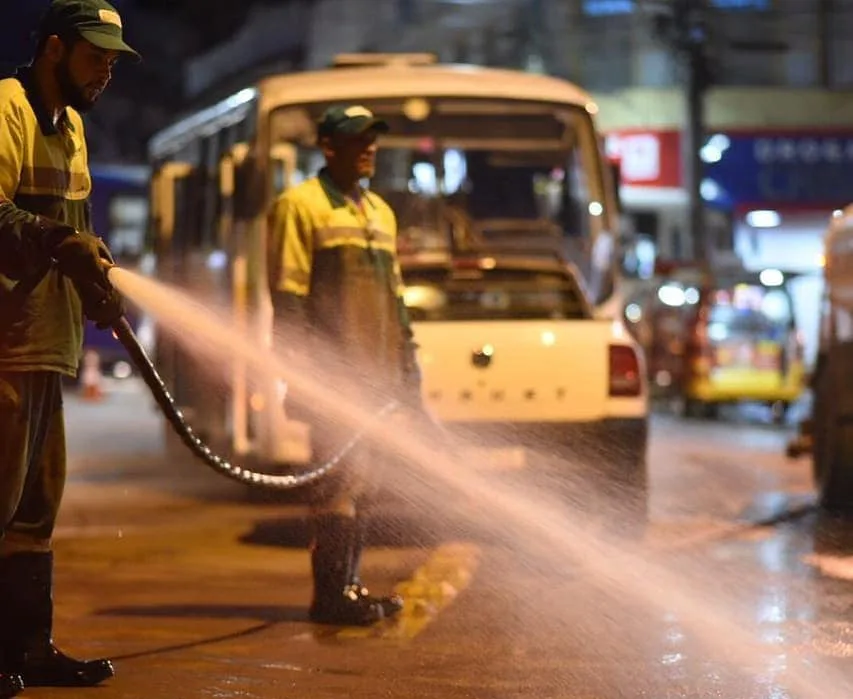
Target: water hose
[124,333]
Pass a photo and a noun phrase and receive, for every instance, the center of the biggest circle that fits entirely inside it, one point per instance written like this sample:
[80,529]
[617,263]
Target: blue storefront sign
[779,171]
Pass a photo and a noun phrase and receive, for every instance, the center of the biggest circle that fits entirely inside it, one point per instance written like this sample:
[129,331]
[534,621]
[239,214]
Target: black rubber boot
[10,685]
[392,604]
[335,601]
[26,645]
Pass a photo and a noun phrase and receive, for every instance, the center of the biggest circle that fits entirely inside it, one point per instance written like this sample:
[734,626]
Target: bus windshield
[750,327]
[488,170]
[747,312]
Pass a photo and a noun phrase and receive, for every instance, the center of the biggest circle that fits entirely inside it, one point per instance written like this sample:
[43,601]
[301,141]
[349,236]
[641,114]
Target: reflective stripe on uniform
[48,181]
[335,236]
[304,220]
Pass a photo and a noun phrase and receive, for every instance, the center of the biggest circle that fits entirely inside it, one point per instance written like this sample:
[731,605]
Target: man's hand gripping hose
[100,297]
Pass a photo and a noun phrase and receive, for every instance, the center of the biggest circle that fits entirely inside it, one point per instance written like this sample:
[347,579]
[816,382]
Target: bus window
[290,164]
[210,194]
[308,163]
[128,218]
[188,211]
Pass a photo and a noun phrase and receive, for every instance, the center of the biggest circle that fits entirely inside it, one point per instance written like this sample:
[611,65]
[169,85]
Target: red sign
[646,158]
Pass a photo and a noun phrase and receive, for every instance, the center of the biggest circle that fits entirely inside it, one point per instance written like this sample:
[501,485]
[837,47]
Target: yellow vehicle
[475,156]
[723,338]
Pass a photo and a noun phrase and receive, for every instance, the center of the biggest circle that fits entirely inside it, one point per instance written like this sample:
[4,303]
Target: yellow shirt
[43,171]
[340,257]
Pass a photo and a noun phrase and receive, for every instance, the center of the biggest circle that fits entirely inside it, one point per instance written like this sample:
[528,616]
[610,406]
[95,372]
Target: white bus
[475,157]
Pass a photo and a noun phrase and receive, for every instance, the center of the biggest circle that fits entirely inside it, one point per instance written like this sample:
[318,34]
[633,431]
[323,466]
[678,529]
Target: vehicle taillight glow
[625,379]
[474,263]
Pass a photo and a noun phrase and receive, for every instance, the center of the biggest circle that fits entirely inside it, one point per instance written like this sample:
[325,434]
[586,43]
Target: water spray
[124,333]
[541,529]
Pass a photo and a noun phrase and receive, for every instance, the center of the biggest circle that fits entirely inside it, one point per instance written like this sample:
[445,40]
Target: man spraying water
[335,283]
[53,271]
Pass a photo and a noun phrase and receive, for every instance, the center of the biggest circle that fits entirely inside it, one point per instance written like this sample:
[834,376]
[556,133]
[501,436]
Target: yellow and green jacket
[335,264]
[44,175]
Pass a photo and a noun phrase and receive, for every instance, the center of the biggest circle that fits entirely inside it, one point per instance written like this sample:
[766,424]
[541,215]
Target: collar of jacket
[336,197]
[45,120]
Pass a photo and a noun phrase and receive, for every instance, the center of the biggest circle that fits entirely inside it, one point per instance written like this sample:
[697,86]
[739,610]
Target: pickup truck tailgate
[515,371]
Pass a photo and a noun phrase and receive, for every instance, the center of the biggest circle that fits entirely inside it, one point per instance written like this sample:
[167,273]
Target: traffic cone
[91,377]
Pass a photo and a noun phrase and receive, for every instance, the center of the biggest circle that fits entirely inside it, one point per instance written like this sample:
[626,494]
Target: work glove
[86,261]
[103,307]
[83,258]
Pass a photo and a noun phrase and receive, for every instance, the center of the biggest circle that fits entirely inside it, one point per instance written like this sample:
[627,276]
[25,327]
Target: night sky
[211,20]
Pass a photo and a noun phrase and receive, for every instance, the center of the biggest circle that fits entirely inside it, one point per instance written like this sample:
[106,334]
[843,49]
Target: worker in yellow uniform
[335,280]
[53,272]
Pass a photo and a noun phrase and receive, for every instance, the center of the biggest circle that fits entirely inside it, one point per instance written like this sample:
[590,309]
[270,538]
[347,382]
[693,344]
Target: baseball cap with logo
[95,20]
[350,120]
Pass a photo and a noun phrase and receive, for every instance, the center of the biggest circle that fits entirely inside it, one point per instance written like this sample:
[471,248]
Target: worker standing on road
[53,271]
[335,280]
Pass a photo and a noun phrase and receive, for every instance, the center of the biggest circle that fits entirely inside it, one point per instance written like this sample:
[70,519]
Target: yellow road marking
[430,590]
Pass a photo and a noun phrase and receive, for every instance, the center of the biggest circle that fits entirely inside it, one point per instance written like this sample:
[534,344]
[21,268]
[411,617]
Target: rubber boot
[26,645]
[10,685]
[392,604]
[335,601]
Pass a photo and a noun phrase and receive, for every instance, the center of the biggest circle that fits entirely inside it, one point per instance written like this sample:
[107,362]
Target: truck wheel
[834,432]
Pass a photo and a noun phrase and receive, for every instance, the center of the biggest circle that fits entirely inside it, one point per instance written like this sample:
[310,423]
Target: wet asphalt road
[197,593]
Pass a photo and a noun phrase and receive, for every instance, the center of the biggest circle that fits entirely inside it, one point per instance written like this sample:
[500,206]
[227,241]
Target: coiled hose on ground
[160,392]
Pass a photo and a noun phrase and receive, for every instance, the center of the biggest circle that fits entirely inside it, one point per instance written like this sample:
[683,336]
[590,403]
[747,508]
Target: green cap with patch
[351,120]
[96,21]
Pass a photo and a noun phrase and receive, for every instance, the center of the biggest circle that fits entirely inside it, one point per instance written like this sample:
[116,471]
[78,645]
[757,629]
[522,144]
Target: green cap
[95,20]
[350,120]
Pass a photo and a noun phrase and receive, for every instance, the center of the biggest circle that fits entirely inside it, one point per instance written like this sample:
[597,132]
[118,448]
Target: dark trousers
[32,459]
[350,485]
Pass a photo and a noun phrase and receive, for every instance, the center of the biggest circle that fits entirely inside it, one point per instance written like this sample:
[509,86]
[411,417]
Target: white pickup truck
[513,359]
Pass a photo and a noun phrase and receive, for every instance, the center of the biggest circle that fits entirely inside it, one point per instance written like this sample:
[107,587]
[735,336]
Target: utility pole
[681,25]
[696,80]
[824,24]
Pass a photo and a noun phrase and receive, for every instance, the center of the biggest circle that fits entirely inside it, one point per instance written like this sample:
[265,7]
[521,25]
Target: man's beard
[72,95]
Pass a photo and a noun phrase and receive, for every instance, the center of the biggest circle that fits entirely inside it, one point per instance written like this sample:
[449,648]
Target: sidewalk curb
[800,506]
